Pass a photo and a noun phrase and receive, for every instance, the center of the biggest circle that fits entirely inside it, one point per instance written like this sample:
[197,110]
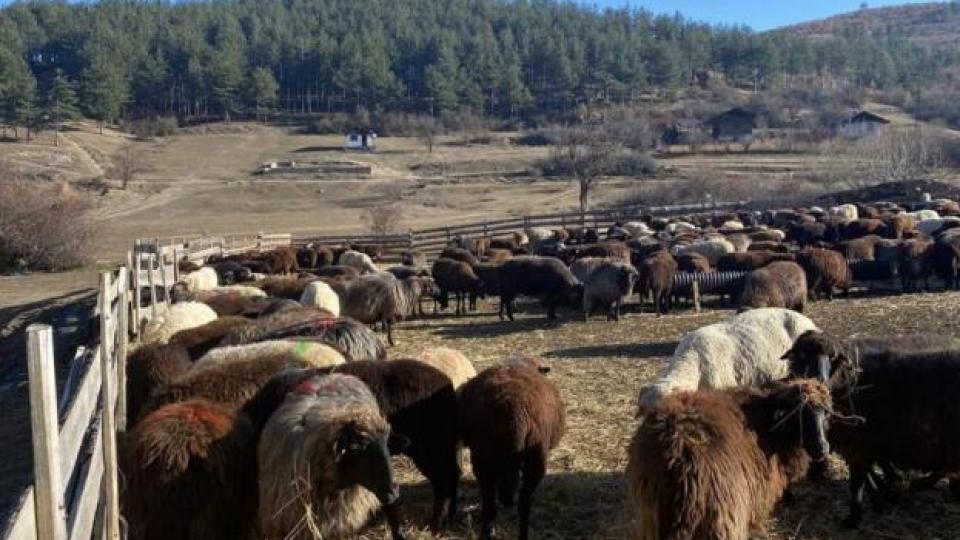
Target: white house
[361,140]
[860,124]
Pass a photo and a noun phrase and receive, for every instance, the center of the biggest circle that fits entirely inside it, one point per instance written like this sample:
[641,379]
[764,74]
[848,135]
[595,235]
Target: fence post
[48,491]
[107,429]
[132,285]
[695,292]
[123,329]
[152,281]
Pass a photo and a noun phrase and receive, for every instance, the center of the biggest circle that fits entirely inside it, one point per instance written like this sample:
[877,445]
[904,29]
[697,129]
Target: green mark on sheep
[302,348]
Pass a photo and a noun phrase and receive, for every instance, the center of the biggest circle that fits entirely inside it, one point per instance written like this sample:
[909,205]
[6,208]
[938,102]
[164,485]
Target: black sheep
[544,277]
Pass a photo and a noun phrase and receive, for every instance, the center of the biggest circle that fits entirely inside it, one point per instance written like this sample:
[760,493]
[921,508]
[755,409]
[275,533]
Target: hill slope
[934,24]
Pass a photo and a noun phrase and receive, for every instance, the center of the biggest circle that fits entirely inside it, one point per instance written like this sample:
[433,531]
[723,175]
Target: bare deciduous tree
[585,154]
[128,164]
[384,218]
[892,155]
[427,130]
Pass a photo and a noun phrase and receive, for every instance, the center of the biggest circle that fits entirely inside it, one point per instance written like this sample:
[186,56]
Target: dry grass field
[600,368]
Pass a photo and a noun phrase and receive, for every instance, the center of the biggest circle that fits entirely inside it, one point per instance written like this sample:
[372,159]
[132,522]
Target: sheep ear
[543,369]
[789,355]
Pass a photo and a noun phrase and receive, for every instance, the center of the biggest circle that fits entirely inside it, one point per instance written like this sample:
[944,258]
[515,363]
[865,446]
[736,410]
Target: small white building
[860,124]
[361,140]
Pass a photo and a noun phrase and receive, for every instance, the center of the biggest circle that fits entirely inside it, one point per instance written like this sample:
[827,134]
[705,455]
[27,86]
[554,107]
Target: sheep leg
[534,469]
[509,479]
[487,478]
[393,519]
[388,323]
[858,483]
[509,302]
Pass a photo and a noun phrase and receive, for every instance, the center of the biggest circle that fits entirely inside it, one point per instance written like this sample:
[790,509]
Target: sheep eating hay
[746,350]
[323,462]
[179,317]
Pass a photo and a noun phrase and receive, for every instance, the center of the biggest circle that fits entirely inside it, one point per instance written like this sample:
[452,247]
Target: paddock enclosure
[599,367]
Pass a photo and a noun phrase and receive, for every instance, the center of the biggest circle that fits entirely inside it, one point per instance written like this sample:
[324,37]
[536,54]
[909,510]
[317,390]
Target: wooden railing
[82,450]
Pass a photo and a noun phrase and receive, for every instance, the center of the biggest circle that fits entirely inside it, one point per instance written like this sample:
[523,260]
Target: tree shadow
[306,149]
[501,328]
[632,350]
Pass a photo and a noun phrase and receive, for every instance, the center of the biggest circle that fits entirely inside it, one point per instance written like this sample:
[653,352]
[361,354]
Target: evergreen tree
[61,104]
[105,90]
[443,78]
[664,66]
[263,89]
[17,89]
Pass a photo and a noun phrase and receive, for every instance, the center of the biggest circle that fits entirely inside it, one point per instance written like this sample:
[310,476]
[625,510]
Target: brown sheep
[497,255]
[336,271]
[149,367]
[508,244]
[826,270]
[190,471]
[915,263]
[656,277]
[693,262]
[863,248]
[230,304]
[898,224]
[489,274]
[750,260]
[780,284]
[457,277]
[713,463]
[510,417]
[289,287]
[617,250]
[767,236]
[776,247]
[197,341]
[460,254]
[862,227]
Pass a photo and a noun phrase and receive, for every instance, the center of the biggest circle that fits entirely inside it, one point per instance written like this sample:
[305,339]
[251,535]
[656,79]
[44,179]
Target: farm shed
[735,125]
[860,124]
[361,139]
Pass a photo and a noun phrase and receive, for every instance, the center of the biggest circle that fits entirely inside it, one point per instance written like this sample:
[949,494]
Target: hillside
[934,24]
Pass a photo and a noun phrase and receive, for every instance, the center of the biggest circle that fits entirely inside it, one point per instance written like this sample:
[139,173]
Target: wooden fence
[75,494]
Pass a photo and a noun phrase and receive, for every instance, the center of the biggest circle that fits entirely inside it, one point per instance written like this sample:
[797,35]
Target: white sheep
[637,229]
[360,261]
[244,291]
[181,316]
[712,249]
[309,352]
[535,234]
[741,242]
[680,227]
[453,363]
[731,225]
[921,215]
[321,296]
[746,350]
[204,279]
[846,212]
[930,226]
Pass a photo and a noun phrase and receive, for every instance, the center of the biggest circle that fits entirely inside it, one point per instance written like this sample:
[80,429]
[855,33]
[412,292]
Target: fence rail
[82,451]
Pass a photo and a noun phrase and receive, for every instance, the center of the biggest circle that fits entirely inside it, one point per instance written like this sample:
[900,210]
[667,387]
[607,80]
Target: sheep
[900,388]
[925,214]
[497,256]
[360,261]
[459,254]
[731,225]
[693,262]
[509,244]
[775,247]
[637,229]
[546,277]
[931,226]
[863,248]
[679,227]
[740,242]
[189,471]
[915,263]
[244,291]
[289,287]
[846,212]
[231,272]
[768,235]
[826,270]
[323,461]
[418,401]
[944,256]
[745,350]
[714,463]
[197,341]
[320,295]
[374,298]
[613,250]
[535,234]
[453,363]
[347,273]
[778,284]
[179,317]
[712,249]
[655,276]
[898,224]
[862,227]
[607,286]
[203,279]
[149,367]
[581,268]
[457,277]
[510,417]
[309,352]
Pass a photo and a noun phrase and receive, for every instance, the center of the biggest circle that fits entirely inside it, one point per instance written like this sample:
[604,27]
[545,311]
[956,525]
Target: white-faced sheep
[179,317]
[360,261]
[712,464]
[321,295]
[607,286]
[204,279]
[745,350]
[324,462]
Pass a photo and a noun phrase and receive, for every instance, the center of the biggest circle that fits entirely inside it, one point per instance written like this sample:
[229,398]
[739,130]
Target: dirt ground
[600,368]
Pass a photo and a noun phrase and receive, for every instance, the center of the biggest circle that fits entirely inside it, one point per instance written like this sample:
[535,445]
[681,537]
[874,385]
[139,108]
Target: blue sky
[757,14]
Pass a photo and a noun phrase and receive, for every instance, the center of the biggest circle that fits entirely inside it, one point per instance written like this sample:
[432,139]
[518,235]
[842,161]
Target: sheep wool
[453,363]
[179,317]
[244,291]
[846,212]
[746,350]
[308,352]
[204,279]
[360,261]
[321,296]
[299,498]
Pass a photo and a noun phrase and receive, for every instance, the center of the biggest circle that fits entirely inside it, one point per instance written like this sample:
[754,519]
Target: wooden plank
[137,284]
[107,383]
[51,522]
[78,418]
[696,295]
[123,339]
[84,508]
[153,288]
[25,524]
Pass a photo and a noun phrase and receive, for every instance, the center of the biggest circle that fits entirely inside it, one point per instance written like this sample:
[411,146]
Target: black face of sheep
[364,460]
[812,355]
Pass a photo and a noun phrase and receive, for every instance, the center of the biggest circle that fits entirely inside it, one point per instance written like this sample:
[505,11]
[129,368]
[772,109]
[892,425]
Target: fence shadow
[631,350]
[499,328]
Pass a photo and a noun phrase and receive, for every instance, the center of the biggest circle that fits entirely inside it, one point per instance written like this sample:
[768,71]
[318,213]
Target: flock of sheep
[263,404]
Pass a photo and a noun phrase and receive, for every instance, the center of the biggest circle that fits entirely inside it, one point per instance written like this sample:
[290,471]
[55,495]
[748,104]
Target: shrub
[148,128]
[43,226]
[383,219]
